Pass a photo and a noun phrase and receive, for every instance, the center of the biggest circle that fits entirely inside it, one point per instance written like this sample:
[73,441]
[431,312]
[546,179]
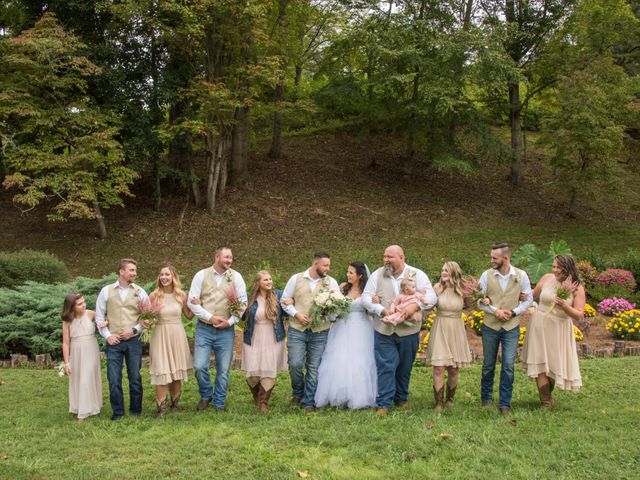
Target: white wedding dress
[347,372]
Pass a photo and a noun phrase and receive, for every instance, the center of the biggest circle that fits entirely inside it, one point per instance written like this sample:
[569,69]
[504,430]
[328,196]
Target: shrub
[589,311]
[30,314]
[616,277]
[601,292]
[587,273]
[17,268]
[625,325]
[537,262]
[578,334]
[631,262]
[614,305]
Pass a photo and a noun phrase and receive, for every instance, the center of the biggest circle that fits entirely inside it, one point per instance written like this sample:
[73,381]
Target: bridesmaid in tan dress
[81,357]
[169,352]
[448,347]
[549,352]
[263,352]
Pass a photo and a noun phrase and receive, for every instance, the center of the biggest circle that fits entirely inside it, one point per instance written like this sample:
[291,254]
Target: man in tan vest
[214,329]
[117,304]
[509,291]
[303,341]
[395,346]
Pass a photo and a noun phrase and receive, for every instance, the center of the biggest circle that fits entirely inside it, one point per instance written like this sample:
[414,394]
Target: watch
[136,332]
[513,313]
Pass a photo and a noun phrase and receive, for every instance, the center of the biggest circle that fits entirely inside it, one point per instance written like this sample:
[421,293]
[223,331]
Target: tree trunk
[102,227]
[213,172]
[275,150]
[240,147]
[515,110]
[407,164]
[366,137]
[195,185]
[297,81]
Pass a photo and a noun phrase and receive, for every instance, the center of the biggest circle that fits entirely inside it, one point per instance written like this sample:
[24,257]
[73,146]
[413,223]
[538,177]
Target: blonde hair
[404,283]
[457,279]
[158,293]
[271,302]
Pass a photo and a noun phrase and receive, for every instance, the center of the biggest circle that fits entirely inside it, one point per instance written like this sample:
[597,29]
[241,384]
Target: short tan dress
[448,346]
[550,344]
[85,381]
[264,357]
[169,354]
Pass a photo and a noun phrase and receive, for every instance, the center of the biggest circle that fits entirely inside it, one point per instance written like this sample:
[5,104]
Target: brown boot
[263,399]
[552,383]
[438,395]
[545,395]
[255,390]
[174,403]
[451,392]
[162,408]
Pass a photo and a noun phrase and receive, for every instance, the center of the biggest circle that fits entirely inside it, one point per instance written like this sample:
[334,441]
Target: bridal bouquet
[149,311]
[328,304]
[566,288]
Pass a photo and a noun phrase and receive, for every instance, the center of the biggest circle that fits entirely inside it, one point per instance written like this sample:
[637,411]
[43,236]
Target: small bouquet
[329,304]
[236,306]
[149,311]
[61,369]
[565,289]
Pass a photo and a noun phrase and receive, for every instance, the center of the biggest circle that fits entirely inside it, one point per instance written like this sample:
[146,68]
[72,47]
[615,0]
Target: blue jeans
[221,342]
[303,346]
[490,342]
[131,351]
[394,360]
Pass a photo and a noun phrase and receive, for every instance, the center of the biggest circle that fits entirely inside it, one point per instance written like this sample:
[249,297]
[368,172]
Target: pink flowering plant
[617,277]
[149,311]
[614,305]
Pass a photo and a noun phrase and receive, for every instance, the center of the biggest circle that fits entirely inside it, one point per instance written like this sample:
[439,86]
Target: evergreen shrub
[16,268]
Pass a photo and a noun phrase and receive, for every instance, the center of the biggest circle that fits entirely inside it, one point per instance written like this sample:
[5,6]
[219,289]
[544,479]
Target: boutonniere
[229,276]
[325,282]
[136,292]
[515,279]
[411,275]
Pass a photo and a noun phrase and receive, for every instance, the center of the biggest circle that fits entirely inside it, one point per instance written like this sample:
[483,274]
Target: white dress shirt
[423,284]
[196,290]
[101,305]
[290,288]
[525,287]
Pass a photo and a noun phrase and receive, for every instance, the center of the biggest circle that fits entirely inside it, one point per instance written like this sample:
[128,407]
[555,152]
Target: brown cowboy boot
[162,408]
[552,382]
[255,391]
[263,399]
[174,402]
[451,392]
[438,395]
[544,392]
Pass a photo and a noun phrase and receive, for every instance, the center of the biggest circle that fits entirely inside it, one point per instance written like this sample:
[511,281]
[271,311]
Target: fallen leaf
[429,425]
[304,474]
[467,394]
[445,436]
[513,422]
[4,457]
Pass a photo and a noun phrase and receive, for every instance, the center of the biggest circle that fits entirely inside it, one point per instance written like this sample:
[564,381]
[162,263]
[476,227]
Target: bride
[347,372]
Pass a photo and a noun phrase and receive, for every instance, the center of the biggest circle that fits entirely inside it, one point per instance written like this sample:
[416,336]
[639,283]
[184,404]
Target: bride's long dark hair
[361,272]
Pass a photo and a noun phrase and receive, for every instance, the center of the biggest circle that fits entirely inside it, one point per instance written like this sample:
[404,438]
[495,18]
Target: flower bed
[625,325]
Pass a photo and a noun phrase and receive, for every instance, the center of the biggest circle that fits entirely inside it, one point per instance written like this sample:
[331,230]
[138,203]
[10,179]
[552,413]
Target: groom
[395,345]
[303,341]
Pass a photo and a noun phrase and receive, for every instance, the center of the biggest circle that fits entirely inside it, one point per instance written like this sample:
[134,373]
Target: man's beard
[388,271]
[320,273]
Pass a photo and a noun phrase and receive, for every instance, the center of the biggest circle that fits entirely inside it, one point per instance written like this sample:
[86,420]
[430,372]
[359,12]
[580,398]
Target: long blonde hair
[271,303]
[460,283]
[158,293]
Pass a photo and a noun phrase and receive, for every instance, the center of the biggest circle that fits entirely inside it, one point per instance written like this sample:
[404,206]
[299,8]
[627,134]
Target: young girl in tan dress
[81,357]
[549,353]
[448,347]
[169,354]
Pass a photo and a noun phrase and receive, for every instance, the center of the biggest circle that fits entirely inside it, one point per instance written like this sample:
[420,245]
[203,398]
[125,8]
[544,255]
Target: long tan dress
[85,381]
[169,354]
[264,357]
[448,346]
[550,344]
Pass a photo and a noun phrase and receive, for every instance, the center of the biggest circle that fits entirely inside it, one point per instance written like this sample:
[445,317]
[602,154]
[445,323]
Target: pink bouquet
[236,306]
[149,312]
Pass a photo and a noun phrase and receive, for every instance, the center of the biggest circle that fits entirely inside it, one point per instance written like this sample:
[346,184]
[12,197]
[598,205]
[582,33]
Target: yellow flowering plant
[578,334]
[474,321]
[523,331]
[625,325]
[589,311]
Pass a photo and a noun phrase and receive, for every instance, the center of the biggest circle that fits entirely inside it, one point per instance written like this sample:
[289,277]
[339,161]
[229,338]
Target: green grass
[590,434]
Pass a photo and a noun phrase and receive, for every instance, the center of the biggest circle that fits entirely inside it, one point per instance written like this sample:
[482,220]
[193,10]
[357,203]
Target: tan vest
[119,314]
[213,295]
[386,293]
[506,300]
[303,299]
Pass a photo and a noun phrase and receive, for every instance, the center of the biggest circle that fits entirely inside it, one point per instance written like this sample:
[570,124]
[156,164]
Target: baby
[408,295]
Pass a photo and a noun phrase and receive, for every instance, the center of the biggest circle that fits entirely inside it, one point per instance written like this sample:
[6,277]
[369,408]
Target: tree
[62,146]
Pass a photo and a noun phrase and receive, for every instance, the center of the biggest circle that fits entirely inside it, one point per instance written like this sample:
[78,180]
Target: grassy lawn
[590,434]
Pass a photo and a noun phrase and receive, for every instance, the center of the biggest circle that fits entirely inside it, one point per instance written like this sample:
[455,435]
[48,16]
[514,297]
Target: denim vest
[278,328]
